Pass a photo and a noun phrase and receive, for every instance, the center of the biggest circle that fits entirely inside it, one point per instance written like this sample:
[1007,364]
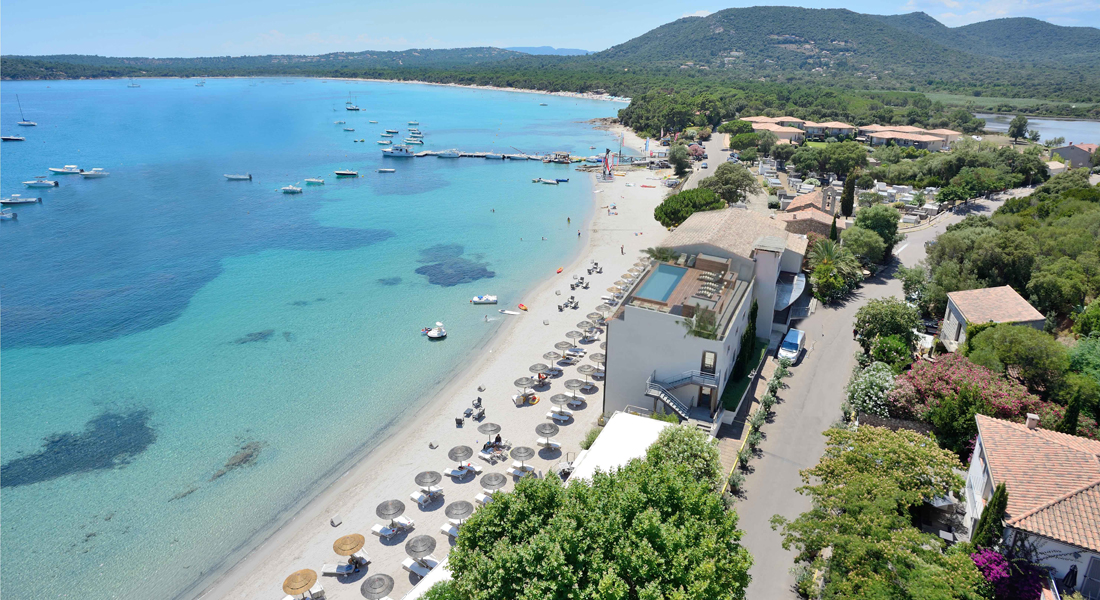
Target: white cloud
[698,13]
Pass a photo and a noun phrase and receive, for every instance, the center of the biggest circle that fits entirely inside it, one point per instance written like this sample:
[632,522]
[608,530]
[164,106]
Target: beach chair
[547,443]
[382,531]
[420,498]
[317,592]
[483,498]
[404,523]
[456,473]
[479,414]
[477,469]
[415,568]
[337,570]
[486,456]
[516,472]
[558,417]
[458,421]
[361,558]
[577,400]
[448,529]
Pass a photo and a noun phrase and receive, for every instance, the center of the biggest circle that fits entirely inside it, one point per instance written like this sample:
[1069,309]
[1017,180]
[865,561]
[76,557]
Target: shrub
[767,401]
[865,244]
[678,207]
[893,351]
[687,446]
[590,437]
[754,439]
[868,389]
[736,482]
[883,317]
[758,418]
[921,388]
[1088,320]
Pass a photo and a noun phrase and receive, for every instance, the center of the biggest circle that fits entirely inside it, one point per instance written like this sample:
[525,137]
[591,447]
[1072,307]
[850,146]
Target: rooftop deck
[697,289]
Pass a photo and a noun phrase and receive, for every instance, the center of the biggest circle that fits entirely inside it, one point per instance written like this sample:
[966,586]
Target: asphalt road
[716,155]
[807,408]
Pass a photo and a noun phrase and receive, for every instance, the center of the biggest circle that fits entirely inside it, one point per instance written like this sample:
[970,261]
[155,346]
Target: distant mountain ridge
[549,50]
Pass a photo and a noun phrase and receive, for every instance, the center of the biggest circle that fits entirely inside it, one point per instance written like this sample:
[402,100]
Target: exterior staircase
[660,389]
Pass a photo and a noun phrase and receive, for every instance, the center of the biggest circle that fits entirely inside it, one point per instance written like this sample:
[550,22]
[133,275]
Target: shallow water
[185,357]
[1075,131]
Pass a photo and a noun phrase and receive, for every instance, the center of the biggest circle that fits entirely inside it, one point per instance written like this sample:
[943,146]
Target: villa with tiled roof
[1053,484]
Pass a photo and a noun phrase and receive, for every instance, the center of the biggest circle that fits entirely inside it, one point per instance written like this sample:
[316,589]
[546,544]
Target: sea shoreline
[254,572]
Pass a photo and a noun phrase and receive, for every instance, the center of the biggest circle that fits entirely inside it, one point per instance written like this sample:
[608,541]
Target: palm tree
[829,252]
[704,324]
[662,254]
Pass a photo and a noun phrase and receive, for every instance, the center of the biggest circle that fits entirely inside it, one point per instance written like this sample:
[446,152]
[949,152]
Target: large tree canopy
[732,182]
[678,207]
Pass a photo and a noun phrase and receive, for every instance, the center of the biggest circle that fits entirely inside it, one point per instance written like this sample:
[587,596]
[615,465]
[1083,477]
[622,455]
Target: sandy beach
[614,238]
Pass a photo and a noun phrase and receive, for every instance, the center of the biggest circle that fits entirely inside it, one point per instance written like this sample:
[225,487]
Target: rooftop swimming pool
[658,287]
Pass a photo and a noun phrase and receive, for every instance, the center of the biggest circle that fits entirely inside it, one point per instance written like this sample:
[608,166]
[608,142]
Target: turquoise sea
[163,325]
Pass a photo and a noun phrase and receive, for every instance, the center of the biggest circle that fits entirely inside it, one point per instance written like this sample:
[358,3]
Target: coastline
[383,468]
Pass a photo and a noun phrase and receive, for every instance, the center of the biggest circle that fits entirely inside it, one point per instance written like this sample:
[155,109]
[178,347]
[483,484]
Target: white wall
[767,271]
[952,319]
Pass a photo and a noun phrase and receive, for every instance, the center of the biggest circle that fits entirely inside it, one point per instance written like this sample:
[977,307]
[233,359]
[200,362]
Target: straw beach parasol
[586,370]
[459,509]
[523,453]
[390,510]
[552,356]
[428,478]
[460,453]
[605,309]
[377,586]
[598,357]
[420,546]
[493,481]
[586,325]
[538,368]
[349,544]
[299,582]
[573,335]
[563,345]
[488,428]
[545,430]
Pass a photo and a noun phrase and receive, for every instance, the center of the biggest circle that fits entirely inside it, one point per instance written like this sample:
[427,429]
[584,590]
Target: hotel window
[709,360]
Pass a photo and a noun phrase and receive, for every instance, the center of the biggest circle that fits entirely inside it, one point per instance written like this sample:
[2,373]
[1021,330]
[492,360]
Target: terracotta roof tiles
[997,304]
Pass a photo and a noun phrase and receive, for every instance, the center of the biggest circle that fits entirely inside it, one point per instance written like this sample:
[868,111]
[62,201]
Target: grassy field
[816,144]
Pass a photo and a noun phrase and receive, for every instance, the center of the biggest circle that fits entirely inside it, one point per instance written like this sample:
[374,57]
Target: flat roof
[624,438]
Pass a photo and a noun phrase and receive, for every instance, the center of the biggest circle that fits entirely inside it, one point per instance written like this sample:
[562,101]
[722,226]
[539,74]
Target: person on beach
[568,220]
[578,233]
[497,442]
[622,249]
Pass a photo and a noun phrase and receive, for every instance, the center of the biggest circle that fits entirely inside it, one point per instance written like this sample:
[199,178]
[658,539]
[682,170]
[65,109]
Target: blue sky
[236,27]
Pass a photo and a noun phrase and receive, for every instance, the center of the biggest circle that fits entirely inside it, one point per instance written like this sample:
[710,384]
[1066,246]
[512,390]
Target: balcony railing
[655,390]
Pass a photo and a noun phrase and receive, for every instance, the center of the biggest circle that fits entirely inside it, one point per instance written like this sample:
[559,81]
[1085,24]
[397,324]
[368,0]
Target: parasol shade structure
[620,283]
[636,269]
[523,453]
[538,368]
[560,399]
[493,481]
[460,453]
[428,478]
[605,309]
[459,509]
[598,357]
[377,586]
[420,546]
[586,370]
[585,325]
[552,356]
[603,346]
[390,509]
[574,384]
[488,428]
[299,582]
[545,430]
[594,316]
[627,277]
[574,335]
[563,345]
[642,263]
[349,544]
[524,383]
[615,289]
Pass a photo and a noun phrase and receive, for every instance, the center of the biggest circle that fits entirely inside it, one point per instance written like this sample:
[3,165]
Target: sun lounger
[415,568]
[518,465]
[486,456]
[317,592]
[577,400]
[432,490]
[382,531]
[420,499]
[337,570]
[548,443]
[361,558]
[558,417]
[448,529]
[514,472]
[483,498]
[404,522]
[477,469]
[456,473]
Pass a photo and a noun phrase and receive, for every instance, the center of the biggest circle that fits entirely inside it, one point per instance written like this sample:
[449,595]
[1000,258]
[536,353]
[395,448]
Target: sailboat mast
[21,117]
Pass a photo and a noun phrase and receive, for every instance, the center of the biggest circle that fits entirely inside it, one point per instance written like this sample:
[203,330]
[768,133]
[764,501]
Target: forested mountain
[1020,39]
[549,50]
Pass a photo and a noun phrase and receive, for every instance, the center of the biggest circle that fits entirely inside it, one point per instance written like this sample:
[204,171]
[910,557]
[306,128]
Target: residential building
[1053,484]
[1076,155]
[985,305]
[728,258]
[949,136]
[788,135]
[826,200]
[810,220]
[921,141]
[828,129]
[1056,167]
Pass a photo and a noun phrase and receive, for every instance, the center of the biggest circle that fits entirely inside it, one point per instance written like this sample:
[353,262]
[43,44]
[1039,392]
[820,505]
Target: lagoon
[1075,131]
[185,358]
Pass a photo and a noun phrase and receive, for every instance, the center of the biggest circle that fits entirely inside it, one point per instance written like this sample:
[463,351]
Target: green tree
[745,352]
[1058,287]
[662,253]
[848,196]
[765,141]
[650,529]
[748,155]
[832,231]
[678,158]
[743,141]
[828,284]
[783,152]
[882,317]
[1017,128]
[1033,135]
[732,182]
[702,324]
[807,159]
[844,157]
[913,280]
[952,418]
[865,244]
[883,220]
[1088,320]
[1040,361]
[689,447]
[678,207]
[828,252]
[892,350]
[735,127]
[444,590]
[989,531]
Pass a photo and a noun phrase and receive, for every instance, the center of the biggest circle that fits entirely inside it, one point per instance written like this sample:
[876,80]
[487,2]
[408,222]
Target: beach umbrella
[595,316]
[545,430]
[493,481]
[552,356]
[614,289]
[563,345]
[636,269]
[605,309]
[598,357]
[377,586]
[390,510]
[573,335]
[349,544]
[560,399]
[459,509]
[428,478]
[522,454]
[627,277]
[603,346]
[586,325]
[642,263]
[489,428]
[524,383]
[299,582]
[586,370]
[460,453]
[420,546]
[538,368]
[575,384]
[620,284]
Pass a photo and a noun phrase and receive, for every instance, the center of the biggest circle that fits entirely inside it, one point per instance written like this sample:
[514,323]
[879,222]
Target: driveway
[807,408]
[717,152]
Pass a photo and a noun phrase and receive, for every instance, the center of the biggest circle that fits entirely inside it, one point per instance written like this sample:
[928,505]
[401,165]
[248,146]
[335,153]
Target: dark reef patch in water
[258,336]
[448,267]
[300,303]
[108,441]
[390,280]
[246,457]
[288,336]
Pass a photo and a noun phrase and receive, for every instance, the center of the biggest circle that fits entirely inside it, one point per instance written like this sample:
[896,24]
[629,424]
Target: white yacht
[414,141]
[352,107]
[339,122]
[23,122]
[414,122]
[349,129]
[66,170]
[17,199]
[375,122]
[238,177]
[398,152]
[448,154]
[201,83]
[386,170]
[347,173]
[13,138]
[385,142]
[392,131]
[437,332]
[484,300]
[95,173]
[292,190]
[41,182]
[132,84]
[416,135]
[315,181]
[386,135]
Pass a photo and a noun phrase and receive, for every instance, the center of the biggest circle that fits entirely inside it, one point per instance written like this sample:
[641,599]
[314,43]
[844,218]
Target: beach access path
[615,239]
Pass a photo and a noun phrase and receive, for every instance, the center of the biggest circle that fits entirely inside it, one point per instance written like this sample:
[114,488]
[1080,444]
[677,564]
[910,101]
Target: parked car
[703,166]
[793,344]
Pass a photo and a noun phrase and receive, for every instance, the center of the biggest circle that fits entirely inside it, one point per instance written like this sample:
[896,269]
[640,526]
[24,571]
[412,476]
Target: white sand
[387,472]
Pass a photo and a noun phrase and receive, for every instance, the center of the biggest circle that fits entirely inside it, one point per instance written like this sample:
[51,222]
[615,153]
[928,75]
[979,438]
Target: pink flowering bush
[1050,415]
[1016,580]
[921,388]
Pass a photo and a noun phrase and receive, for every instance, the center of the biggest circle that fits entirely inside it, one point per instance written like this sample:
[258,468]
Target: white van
[793,344]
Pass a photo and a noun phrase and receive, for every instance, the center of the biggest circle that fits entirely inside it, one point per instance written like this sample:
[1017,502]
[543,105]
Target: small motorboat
[41,182]
[315,181]
[387,170]
[338,122]
[414,141]
[95,173]
[548,181]
[290,189]
[386,135]
[17,199]
[66,170]
[448,154]
[346,173]
[414,122]
[435,333]
[507,312]
[484,300]
[385,142]
[239,177]
[375,122]
[12,138]
[349,129]
[7,215]
[542,104]
[352,107]
[392,130]
[562,180]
